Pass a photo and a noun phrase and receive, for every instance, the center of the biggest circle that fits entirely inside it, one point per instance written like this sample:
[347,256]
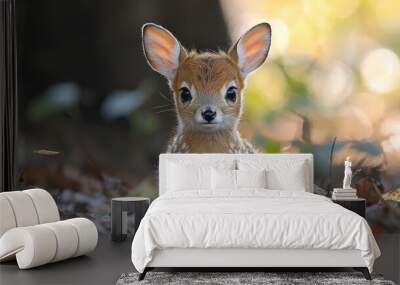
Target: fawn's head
[207,87]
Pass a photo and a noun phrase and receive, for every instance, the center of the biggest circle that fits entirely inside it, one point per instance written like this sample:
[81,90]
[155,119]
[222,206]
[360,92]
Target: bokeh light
[331,83]
[333,71]
[390,125]
[371,104]
[353,124]
[281,38]
[380,70]
[261,94]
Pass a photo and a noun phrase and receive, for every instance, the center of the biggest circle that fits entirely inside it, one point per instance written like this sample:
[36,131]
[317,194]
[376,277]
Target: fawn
[207,87]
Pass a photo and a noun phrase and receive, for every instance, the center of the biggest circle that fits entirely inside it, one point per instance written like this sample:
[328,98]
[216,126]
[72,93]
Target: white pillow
[251,178]
[282,174]
[293,180]
[184,178]
[223,179]
[226,179]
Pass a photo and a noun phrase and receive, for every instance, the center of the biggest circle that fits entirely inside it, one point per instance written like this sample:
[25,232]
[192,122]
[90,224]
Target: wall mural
[93,117]
[208,88]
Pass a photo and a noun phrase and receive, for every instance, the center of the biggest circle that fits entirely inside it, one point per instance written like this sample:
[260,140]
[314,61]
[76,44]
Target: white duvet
[253,218]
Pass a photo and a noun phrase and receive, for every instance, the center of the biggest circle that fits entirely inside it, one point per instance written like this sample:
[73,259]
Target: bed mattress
[250,219]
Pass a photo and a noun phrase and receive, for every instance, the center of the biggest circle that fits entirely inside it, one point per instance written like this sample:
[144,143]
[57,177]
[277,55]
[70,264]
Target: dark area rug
[229,278]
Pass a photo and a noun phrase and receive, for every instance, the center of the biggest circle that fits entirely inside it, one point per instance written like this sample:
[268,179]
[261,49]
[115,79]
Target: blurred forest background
[91,116]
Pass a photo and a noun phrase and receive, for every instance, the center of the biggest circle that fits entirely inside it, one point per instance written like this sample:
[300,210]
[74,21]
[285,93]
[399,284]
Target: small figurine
[347,174]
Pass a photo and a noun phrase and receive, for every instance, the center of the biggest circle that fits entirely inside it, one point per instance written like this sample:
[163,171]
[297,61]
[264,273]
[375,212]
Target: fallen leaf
[46,152]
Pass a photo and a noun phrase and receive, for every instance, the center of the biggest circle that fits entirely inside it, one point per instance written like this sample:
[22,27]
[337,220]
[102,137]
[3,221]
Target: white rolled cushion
[40,244]
[87,235]
[7,219]
[23,208]
[251,178]
[33,246]
[67,240]
[45,205]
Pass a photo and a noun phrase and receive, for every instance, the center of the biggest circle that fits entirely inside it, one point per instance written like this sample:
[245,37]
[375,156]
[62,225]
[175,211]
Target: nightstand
[126,214]
[356,205]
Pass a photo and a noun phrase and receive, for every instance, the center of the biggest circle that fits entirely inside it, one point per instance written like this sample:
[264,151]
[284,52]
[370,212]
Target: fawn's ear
[162,50]
[251,50]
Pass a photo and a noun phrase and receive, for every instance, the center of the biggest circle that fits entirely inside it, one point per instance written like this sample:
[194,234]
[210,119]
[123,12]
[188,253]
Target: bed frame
[248,259]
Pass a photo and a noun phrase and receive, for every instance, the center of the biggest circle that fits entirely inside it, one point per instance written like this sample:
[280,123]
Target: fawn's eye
[231,94]
[185,95]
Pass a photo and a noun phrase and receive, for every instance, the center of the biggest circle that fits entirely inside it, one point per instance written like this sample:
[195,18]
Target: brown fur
[207,72]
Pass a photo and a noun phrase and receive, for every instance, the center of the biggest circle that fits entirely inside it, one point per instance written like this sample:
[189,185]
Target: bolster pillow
[40,244]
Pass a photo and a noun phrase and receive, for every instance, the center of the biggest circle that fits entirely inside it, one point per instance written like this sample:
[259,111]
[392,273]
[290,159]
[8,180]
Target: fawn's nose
[208,115]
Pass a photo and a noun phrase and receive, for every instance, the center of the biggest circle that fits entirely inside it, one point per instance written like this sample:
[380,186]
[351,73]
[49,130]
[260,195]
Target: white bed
[248,227]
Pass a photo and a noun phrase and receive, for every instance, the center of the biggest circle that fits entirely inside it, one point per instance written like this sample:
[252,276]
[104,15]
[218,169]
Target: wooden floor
[102,266]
